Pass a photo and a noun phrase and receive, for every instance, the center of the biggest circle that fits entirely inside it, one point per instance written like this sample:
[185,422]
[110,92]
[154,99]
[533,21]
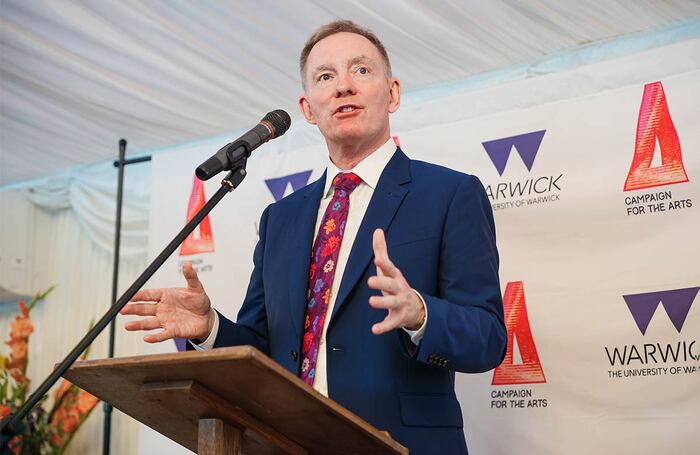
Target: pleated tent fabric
[77,76]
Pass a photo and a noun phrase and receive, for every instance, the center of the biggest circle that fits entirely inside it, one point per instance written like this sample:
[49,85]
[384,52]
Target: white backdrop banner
[596,199]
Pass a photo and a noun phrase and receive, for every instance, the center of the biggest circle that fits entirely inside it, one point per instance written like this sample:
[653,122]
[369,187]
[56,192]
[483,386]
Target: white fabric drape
[91,193]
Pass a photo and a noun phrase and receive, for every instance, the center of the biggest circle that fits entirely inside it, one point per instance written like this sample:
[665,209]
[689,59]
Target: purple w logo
[277,186]
[527,145]
[676,302]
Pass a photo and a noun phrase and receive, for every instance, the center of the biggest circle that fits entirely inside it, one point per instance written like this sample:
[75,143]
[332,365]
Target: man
[375,283]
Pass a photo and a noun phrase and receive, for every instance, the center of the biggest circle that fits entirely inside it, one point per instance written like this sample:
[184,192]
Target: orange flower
[56,440]
[70,423]
[17,375]
[329,226]
[23,308]
[15,445]
[58,415]
[64,387]
[21,327]
[18,353]
[74,404]
[65,419]
[332,245]
[86,402]
[18,347]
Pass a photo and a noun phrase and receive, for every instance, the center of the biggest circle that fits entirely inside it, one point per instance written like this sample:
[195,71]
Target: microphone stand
[119,164]
[11,425]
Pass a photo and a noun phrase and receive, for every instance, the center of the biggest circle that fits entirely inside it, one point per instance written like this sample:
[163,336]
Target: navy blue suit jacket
[440,234]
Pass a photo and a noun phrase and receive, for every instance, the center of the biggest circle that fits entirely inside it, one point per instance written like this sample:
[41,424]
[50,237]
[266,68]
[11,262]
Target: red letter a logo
[205,242]
[518,326]
[655,122]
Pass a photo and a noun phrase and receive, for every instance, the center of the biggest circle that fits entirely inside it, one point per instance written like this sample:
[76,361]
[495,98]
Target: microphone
[273,125]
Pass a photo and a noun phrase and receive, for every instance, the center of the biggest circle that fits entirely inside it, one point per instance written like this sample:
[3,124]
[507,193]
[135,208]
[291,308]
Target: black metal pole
[106,407]
[139,159]
[11,424]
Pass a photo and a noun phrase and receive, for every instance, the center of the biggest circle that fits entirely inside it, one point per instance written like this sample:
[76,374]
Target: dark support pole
[107,408]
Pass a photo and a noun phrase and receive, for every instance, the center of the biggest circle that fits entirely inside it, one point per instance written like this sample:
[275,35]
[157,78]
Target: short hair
[339,27]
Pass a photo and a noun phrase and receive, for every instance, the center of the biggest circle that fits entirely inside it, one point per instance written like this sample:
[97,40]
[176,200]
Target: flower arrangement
[44,431]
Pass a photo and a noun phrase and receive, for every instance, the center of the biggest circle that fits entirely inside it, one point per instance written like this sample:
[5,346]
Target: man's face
[348,93]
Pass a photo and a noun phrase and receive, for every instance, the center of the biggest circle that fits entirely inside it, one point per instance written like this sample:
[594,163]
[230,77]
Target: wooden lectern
[229,401]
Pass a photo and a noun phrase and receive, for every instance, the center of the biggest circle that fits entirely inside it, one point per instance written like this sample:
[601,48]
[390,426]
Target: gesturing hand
[180,312]
[405,308]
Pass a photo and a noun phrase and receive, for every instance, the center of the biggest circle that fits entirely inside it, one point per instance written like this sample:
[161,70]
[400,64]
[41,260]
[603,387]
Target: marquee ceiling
[77,76]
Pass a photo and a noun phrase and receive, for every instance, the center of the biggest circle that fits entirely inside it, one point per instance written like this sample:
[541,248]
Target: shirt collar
[369,169]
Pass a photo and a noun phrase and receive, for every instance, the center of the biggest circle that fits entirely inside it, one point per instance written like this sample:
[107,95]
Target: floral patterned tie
[324,257]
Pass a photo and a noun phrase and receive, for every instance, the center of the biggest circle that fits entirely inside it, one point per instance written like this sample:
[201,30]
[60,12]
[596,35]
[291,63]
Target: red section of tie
[324,257]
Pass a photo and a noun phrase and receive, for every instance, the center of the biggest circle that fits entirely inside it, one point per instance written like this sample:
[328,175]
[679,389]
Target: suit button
[294,355]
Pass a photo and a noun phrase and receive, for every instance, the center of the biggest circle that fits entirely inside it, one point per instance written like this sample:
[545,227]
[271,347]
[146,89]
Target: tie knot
[347,181]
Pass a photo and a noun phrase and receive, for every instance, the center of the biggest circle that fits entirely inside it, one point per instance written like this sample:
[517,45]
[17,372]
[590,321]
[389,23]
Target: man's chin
[348,135]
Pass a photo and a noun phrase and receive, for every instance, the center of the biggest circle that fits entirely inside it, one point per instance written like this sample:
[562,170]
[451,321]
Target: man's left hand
[405,308]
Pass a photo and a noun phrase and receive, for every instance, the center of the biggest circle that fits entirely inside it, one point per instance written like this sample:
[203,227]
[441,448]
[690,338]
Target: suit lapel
[303,223]
[385,201]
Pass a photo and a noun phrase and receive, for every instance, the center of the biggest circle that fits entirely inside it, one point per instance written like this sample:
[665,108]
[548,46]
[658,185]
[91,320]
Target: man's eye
[363,70]
[324,77]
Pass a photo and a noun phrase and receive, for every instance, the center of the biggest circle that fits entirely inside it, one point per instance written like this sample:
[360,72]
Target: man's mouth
[344,109]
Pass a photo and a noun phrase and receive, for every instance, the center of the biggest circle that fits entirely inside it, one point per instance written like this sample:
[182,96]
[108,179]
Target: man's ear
[306,109]
[394,94]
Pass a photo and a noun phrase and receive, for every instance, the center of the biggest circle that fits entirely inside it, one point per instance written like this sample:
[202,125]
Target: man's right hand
[180,312]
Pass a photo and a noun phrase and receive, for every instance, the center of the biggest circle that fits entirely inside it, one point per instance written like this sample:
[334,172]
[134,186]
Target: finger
[139,309]
[389,323]
[143,324]
[158,337]
[385,284]
[386,267]
[190,275]
[381,254]
[384,302]
[379,244]
[147,295]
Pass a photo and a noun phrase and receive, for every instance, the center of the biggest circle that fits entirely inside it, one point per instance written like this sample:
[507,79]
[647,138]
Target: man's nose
[345,86]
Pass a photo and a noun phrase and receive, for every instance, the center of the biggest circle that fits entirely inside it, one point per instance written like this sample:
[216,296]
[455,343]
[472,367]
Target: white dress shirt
[369,170]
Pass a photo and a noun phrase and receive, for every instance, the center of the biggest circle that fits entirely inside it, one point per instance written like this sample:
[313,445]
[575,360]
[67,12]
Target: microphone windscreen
[279,120]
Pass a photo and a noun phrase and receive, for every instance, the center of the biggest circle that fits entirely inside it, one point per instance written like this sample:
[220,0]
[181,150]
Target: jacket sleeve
[465,329]
[251,327]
